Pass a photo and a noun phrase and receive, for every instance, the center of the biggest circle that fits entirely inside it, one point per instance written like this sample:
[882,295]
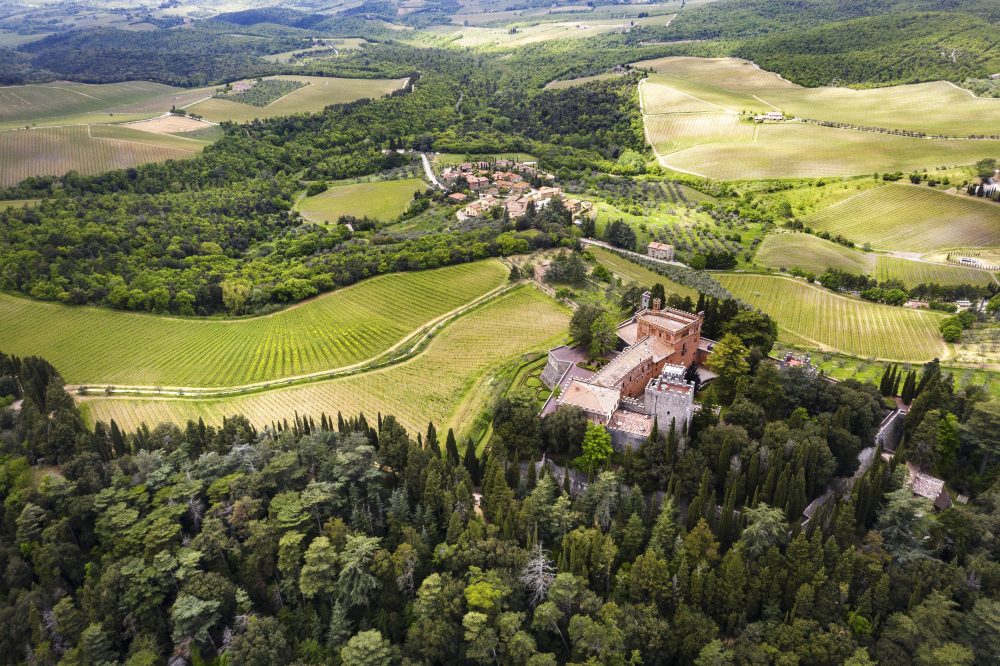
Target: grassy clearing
[98,346]
[815,318]
[809,253]
[569,83]
[382,200]
[443,384]
[631,272]
[320,92]
[53,151]
[530,32]
[910,218]
[449,159]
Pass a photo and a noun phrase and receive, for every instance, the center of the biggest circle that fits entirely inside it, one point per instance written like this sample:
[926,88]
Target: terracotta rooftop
[621,365]
[590,397]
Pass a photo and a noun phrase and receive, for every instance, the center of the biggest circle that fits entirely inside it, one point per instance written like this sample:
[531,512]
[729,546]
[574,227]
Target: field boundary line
[416,341]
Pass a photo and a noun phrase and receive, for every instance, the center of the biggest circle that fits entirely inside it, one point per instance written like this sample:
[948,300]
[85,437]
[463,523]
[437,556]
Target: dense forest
[348,540]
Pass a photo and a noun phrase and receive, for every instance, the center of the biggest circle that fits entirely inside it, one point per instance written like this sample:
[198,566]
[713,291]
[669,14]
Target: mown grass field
[630,271]
[910,218]
[101,347]
[53,151]
[381,200]
[936,107]
[445,383]
[321,91]
[691,109]
[816,318]
[529,32]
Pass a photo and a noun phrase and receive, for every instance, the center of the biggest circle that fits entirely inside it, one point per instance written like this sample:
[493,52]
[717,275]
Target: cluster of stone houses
[644,382]
[505,184]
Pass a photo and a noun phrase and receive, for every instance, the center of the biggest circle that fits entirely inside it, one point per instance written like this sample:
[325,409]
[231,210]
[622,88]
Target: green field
[98,346]
[911,218]
[381,200]
[691,113]
[444,383]
[816,318]
[319,93]
[812,254]
[569,83]
[937,107]
[630,271]
[88,149]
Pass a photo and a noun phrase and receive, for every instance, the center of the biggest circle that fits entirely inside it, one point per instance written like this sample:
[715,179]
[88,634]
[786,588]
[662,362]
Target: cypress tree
[896,383]
[451,449]
[885,385]
[909,387]
[471,462]
[432,440]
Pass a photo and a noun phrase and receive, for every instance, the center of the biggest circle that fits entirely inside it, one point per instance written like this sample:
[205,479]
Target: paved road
[430,172]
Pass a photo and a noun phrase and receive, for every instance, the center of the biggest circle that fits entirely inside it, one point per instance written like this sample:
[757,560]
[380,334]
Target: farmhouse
[770,116]
[663,251]
[646,381]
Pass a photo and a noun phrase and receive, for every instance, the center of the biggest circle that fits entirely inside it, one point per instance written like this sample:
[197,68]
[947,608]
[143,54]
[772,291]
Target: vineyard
[317,93]
[53,151]
[262,93]
[50,103]
[785,150]
[380,200]
[916,219]
[692,120]
[933,108]
[816,318]
[444,383]
[811,254]
[99,346]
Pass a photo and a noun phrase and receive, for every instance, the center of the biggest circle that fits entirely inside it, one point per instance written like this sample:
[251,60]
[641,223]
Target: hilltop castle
[645,381]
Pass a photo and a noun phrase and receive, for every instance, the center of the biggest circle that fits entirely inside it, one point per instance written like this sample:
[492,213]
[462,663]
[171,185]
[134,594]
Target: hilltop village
[514,187]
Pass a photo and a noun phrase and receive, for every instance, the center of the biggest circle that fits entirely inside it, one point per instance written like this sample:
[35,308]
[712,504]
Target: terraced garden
[445,383]
[99,346]
[813,317]
[911,218]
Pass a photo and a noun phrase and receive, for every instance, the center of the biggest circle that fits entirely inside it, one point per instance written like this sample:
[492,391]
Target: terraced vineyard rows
[99,346]
[438,384]
[917,219]
[815,317]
